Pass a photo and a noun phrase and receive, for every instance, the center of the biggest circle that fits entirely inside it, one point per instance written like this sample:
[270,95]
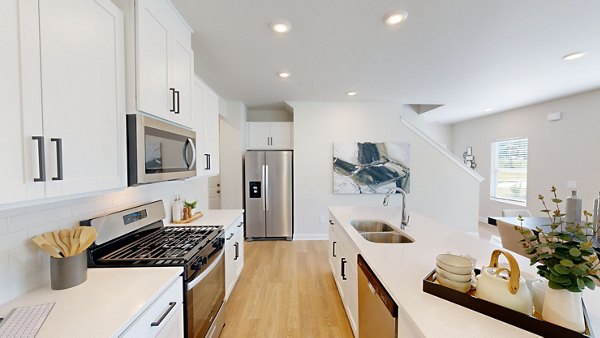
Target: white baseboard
[311,237]
[483,219]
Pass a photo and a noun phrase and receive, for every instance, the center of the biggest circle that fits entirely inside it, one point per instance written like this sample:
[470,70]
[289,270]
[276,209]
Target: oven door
[158,151]
[205,297]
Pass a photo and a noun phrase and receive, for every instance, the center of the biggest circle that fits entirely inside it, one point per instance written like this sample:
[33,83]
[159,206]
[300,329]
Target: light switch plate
[323,219]
[572,184]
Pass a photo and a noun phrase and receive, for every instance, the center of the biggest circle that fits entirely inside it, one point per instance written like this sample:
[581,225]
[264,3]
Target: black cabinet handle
[41,159]
[172,110]
[59,159]
[237,251]
[164,315]
[230,236]
[207,156]
[239,225]
[331,222]
[176,107]
[343,268]
[333,249]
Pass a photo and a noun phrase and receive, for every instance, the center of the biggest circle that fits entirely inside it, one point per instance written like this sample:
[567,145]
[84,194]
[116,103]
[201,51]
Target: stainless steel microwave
[158,151]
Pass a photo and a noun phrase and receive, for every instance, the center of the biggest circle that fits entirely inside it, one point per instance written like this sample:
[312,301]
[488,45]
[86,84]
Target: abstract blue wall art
[370,168]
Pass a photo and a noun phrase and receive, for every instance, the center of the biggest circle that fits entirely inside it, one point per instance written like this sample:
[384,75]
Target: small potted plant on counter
[187,209]
[567,260]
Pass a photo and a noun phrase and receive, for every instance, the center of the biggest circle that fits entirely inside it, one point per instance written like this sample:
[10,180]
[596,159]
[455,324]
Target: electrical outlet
[323,219]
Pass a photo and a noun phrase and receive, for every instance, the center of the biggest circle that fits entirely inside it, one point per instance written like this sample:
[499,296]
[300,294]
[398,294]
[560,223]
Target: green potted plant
[187,209]
[566,258]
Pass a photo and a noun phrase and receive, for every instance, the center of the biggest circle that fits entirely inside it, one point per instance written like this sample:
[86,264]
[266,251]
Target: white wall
[440,189]
[231,150]
[24,267]
[558,151]
[269,115]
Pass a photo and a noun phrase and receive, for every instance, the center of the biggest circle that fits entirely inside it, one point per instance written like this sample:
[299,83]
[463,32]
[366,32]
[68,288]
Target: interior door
[83,95]
[255,204]
[279,193]
[214,192]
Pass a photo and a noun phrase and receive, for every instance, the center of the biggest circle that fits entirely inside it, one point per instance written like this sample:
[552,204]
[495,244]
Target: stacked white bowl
[454,272]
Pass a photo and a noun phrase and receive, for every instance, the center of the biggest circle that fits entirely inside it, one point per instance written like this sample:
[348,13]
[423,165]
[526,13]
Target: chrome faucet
[386,201]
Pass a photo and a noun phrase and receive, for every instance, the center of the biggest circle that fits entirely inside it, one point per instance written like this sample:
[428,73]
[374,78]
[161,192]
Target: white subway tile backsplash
[3,260]
[24,267]
[3,226]
[34,219]
[14,240]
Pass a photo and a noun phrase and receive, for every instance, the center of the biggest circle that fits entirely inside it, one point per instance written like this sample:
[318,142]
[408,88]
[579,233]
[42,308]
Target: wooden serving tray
[193,218]
[518,319]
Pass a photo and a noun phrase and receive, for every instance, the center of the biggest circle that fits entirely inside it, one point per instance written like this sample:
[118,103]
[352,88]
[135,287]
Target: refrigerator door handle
[266,184]
[264,178]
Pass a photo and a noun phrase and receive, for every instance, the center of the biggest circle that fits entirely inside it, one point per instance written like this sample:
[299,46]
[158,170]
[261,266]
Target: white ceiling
[465,54]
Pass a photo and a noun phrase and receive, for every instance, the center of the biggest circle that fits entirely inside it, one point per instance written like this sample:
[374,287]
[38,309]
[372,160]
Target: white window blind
[509,171]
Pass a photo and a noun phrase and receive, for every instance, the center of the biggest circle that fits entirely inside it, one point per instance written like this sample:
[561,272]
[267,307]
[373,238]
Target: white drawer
[168,304]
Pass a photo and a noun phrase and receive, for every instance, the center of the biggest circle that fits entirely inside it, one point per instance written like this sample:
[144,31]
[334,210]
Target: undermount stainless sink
[386,237]
[371,226]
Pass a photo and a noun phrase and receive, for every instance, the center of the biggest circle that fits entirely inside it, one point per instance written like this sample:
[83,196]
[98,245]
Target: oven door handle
[199,278]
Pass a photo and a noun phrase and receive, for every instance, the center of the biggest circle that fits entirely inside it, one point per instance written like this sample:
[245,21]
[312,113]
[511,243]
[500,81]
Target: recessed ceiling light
[284,75]
[573,56]
[281,26]
[487,110]
[351,93]
[394,18]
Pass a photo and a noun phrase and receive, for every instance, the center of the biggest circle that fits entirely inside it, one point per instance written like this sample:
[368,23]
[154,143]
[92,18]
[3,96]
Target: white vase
[563,307]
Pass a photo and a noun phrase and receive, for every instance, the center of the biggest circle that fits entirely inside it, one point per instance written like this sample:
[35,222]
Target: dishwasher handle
[376,287]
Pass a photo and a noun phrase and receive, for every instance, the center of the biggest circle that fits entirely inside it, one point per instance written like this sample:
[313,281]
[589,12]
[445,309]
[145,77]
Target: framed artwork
[370,168]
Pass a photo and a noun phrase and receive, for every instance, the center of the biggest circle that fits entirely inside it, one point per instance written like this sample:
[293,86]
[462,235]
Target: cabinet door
[20,101]
[197,120]
[152,59]
[211,133]
[333,252]
[259,134]
[183,64]
[82,68]
[239,257]
[281,135]
[230,263]
[350,287]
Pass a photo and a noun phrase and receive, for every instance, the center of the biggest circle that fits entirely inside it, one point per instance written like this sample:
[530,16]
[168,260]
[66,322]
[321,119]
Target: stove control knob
[197,265]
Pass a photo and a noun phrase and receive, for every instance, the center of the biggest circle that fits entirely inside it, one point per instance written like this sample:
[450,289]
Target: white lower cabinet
[162,318]
[342,260]
[234,254]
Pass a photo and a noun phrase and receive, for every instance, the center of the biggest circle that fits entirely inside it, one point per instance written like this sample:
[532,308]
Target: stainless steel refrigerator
[268,194]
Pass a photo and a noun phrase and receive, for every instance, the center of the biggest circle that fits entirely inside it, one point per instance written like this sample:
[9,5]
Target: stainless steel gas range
[137,237]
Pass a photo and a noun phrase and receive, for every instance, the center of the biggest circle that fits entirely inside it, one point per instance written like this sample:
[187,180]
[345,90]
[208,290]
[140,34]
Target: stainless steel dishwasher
[377,311]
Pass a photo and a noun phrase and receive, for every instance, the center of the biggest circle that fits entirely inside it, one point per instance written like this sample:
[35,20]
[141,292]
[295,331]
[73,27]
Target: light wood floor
[286,290]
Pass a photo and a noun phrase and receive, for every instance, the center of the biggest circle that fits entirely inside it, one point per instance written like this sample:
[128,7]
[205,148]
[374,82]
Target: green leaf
[573,288]
[555,286]
[580,283]
[560,279]
[566,262]
[557,200]
[561,270]
[530,251]
[578,270]
[589,283]
[574,252]
[586,245]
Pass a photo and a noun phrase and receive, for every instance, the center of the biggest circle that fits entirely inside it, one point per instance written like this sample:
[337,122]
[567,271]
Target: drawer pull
[162,317]
[241,223]
[230,236]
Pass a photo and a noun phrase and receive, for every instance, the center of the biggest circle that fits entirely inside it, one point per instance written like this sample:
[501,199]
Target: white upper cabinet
[83,95]
[62,93]
[270,135]
[205,108]
[164,60]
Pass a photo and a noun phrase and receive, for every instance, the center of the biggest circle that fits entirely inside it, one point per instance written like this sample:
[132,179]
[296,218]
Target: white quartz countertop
[102,306]
[222,217]
[402,267]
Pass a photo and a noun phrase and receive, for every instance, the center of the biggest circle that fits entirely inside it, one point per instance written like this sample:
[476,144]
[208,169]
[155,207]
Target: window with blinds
[509,171]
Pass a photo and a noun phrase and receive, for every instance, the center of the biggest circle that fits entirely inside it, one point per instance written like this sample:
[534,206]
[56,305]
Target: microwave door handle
[190,142]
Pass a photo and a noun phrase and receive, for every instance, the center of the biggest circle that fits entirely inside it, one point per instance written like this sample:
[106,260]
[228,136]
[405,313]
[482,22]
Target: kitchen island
[402,267]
